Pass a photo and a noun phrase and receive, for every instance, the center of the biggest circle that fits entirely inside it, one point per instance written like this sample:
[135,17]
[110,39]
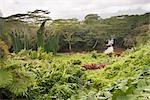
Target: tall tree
[40,35]
[92,19]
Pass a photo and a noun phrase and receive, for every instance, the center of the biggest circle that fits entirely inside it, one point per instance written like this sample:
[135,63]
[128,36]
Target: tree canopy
[35,28]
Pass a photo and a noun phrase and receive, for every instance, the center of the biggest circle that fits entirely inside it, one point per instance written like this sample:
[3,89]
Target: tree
[36,16]
[40,35]
[67,29]
[92,19]
[24,24]
[52,44]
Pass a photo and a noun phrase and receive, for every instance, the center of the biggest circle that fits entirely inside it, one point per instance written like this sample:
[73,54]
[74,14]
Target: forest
[62,59]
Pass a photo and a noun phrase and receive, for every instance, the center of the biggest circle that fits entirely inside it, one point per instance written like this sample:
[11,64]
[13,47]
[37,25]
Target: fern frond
[5,78]
[22,80]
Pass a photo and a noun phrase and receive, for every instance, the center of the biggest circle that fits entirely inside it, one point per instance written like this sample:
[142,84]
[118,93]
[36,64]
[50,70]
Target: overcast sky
[76,8]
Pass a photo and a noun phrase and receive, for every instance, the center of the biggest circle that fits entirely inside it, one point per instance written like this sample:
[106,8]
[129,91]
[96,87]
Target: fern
[6,78]
[14,77]
[21,82]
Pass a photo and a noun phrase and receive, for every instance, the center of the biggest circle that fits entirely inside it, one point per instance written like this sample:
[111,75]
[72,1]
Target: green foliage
[92,19]
[3,49]
[132,88]
[57,81]
[40,35]
[14,78]
[88,34]
[40,75]
[39,54]
[52,44]
[5,78]
[16,41]
[94,54]
[126,78]
[76,62]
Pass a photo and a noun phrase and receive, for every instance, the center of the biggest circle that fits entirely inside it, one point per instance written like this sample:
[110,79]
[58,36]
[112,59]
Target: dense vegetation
[35,29]
[38,75]
[32,67]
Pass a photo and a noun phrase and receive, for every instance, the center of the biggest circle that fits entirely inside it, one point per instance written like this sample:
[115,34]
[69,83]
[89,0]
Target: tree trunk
[70,46]
[95,44]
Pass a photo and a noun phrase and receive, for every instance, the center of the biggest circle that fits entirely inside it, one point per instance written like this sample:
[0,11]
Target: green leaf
[5,78]
[141,83]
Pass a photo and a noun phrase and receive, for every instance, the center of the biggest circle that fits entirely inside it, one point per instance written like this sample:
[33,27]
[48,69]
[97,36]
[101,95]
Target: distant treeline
[35,29]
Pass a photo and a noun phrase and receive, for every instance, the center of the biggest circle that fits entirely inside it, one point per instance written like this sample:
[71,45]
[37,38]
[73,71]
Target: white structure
[110,42]
[110,48]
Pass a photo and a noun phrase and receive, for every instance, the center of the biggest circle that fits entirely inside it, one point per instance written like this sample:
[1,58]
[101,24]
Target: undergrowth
[44,76]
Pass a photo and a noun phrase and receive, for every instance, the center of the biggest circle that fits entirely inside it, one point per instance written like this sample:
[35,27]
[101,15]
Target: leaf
[5,78]
[91,96]
[19,86]
[21,81]
[102,98]
[107,94]
[119,95]
[141,83]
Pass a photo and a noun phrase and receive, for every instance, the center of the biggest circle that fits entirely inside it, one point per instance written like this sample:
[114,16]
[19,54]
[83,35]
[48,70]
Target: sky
[76,8]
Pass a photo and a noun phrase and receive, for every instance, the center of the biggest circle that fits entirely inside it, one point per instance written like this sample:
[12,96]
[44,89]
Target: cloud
[1,14]
[76,8]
